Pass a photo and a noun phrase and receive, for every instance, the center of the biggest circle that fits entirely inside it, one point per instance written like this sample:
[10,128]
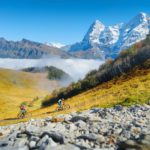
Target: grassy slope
[131,88]
[128,89]
[16,87]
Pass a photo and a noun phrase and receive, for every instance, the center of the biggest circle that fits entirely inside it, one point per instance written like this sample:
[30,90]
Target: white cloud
[77,68]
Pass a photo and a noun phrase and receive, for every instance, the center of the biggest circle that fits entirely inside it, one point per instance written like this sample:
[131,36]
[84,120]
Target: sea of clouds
[76,68]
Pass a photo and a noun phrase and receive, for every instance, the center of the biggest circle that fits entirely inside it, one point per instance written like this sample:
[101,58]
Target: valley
[74,75]
[76,68]
[124,81]
[129,89]
[18,86]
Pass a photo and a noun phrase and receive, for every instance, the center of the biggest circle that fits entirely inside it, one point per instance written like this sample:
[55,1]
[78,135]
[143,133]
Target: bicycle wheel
[66,107]
[19,115]
[28,115]
[59,109]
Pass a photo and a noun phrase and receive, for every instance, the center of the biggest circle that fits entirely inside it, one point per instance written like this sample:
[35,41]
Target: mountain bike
[25,114]
[64,107]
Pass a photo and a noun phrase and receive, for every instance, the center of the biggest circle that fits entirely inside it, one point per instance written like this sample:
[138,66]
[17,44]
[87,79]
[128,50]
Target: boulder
[77,118]
[63,147]
[90,137]
[58,138]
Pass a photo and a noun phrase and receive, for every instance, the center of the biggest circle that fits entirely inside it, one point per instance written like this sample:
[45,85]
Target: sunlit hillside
[128,89]
[125,81]
[17,87]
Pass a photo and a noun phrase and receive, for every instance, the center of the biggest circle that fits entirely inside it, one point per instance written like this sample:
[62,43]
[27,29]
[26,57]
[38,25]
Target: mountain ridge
[100,42]
[29,49]
[110,40]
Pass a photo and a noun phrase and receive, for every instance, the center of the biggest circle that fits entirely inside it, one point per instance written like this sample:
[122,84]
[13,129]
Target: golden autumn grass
[17,87]
[131,88]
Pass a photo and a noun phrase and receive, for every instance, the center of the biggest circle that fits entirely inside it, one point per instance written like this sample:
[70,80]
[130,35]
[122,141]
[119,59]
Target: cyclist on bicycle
[23,109]
[60,103]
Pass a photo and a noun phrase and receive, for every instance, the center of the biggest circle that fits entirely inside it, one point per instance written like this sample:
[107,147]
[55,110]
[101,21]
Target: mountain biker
[23,109]
[60,103]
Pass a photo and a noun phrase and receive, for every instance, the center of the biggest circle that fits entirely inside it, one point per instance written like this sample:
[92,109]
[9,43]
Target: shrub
[132,49]
[105,66]
[123,53]
[55,73]
[91,73]
[146,64]
[147,41]
[24,103]
[109,61]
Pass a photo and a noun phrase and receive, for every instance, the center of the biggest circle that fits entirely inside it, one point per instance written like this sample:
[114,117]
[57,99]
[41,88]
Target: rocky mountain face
[117,128]
[28,49]
[106,41]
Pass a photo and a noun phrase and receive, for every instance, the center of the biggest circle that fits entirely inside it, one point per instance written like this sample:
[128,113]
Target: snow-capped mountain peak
[134,31]
[143,16]
[92,36]
[55,44]
[109,36]
[137,20]
[112,39]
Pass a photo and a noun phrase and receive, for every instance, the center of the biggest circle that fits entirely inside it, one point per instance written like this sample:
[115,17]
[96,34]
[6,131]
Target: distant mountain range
[106,41]
[29,49]
[99,42]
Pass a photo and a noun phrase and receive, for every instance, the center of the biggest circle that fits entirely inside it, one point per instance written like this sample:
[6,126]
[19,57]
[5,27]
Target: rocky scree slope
[121,128]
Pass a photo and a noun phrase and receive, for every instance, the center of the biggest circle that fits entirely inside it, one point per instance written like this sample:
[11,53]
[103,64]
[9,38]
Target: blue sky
[64,21]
